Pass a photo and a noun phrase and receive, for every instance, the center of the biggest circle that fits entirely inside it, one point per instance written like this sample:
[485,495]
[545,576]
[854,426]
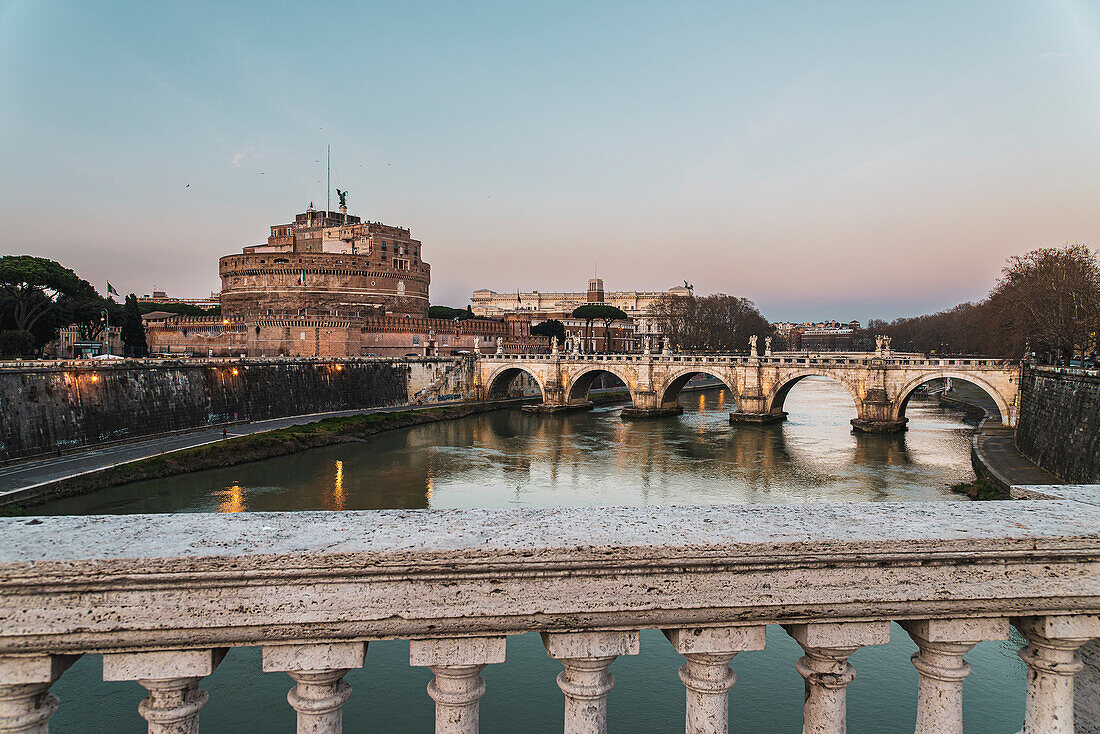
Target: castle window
[280,260]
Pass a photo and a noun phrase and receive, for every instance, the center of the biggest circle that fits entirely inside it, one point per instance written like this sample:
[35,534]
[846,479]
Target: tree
[550,328]
[85,310]
[34,286]
[15,343]
[133,329]
[451,314]
[717,322]
[1052,297]
[599,312]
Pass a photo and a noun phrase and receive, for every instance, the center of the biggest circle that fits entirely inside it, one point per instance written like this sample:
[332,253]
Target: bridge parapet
[880,386]
[161,597]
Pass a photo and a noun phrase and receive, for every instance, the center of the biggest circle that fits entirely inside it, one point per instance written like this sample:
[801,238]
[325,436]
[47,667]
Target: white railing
[796,358]
[161,597]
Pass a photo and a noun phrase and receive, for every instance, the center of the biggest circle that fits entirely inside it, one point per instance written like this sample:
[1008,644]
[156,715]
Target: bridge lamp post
[105,317]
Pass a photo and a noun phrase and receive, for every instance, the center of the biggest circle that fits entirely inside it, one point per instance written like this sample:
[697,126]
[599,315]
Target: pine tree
[133,330]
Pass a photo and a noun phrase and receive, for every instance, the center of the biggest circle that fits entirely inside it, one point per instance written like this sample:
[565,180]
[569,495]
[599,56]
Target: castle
[328,263]
[329,284]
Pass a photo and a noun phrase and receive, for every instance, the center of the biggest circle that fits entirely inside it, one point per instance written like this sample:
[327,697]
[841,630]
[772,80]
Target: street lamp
[105,317]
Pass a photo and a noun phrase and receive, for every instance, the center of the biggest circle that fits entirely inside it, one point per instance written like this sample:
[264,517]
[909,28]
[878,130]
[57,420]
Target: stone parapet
[1059,426]
[164,595]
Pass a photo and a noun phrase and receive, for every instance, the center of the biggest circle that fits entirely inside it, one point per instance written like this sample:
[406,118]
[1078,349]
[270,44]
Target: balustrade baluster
[458,686]
[172,679]
[827,671]
[706,673]
[585,680]
[1051,664]
[939,661]
[320,690]
[26,703]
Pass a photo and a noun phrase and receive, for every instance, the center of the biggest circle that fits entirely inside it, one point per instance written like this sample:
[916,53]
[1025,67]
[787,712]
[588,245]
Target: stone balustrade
[162,597]
[793,358]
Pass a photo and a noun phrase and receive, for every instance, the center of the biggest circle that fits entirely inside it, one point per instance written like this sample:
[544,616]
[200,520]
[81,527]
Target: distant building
[825,340]
[542,305]
[70,345]
[818,336]
[593,339]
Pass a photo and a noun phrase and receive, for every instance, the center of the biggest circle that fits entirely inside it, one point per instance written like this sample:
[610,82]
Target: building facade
[69,344]
[596,337]
[539,305]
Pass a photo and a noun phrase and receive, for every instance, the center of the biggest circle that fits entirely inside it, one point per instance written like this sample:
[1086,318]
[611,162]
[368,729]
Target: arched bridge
[880,386]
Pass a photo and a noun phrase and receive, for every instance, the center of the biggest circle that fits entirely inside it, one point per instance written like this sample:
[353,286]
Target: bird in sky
[187,186]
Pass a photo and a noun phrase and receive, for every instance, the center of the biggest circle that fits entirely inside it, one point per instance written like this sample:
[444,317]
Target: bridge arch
[675,382]
[1003,406]
[496,386]
[576,390]
[778,396]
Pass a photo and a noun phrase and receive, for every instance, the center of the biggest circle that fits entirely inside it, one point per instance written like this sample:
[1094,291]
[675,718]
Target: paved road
[42,471]
[997,447]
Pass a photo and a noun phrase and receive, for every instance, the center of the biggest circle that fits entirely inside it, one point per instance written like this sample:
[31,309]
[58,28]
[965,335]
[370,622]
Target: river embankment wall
[1059,423]
[47,409]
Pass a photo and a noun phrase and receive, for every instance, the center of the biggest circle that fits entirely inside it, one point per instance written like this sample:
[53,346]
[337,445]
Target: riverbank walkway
[18,478]
[995,447]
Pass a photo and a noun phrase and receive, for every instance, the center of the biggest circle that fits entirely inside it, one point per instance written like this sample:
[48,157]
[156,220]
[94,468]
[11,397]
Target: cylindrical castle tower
[327,263]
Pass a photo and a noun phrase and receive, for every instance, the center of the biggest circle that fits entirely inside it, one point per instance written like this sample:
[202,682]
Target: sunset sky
[825,159]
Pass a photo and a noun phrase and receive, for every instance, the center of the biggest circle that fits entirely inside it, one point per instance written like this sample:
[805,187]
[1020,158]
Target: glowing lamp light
[236,371]
[225,321]
[339,367]
[95,378]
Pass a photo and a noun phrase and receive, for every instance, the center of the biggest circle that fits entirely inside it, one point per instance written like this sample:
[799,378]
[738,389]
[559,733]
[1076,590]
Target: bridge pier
[757,418]
[752,407]
[873,426]
[557,407]
[647,404]
[878,414]
[631,412]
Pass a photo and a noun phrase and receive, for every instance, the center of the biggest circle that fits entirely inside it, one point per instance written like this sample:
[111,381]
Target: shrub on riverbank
[980,489]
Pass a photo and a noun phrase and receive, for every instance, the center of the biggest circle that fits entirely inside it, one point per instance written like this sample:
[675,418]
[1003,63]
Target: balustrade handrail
[862,359]
[113,562]
[162,596]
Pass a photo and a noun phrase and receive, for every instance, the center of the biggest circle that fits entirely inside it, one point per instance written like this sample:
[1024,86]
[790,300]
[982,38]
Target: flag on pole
[111,290]
[302,278]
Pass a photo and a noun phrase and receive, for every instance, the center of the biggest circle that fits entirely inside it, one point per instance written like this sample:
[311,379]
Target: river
[509,458]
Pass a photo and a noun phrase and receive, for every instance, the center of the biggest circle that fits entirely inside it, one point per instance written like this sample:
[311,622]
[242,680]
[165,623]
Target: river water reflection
[508,459]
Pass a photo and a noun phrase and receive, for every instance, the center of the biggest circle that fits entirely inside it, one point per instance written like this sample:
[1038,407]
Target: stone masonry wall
[1059,425]
[44,410]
